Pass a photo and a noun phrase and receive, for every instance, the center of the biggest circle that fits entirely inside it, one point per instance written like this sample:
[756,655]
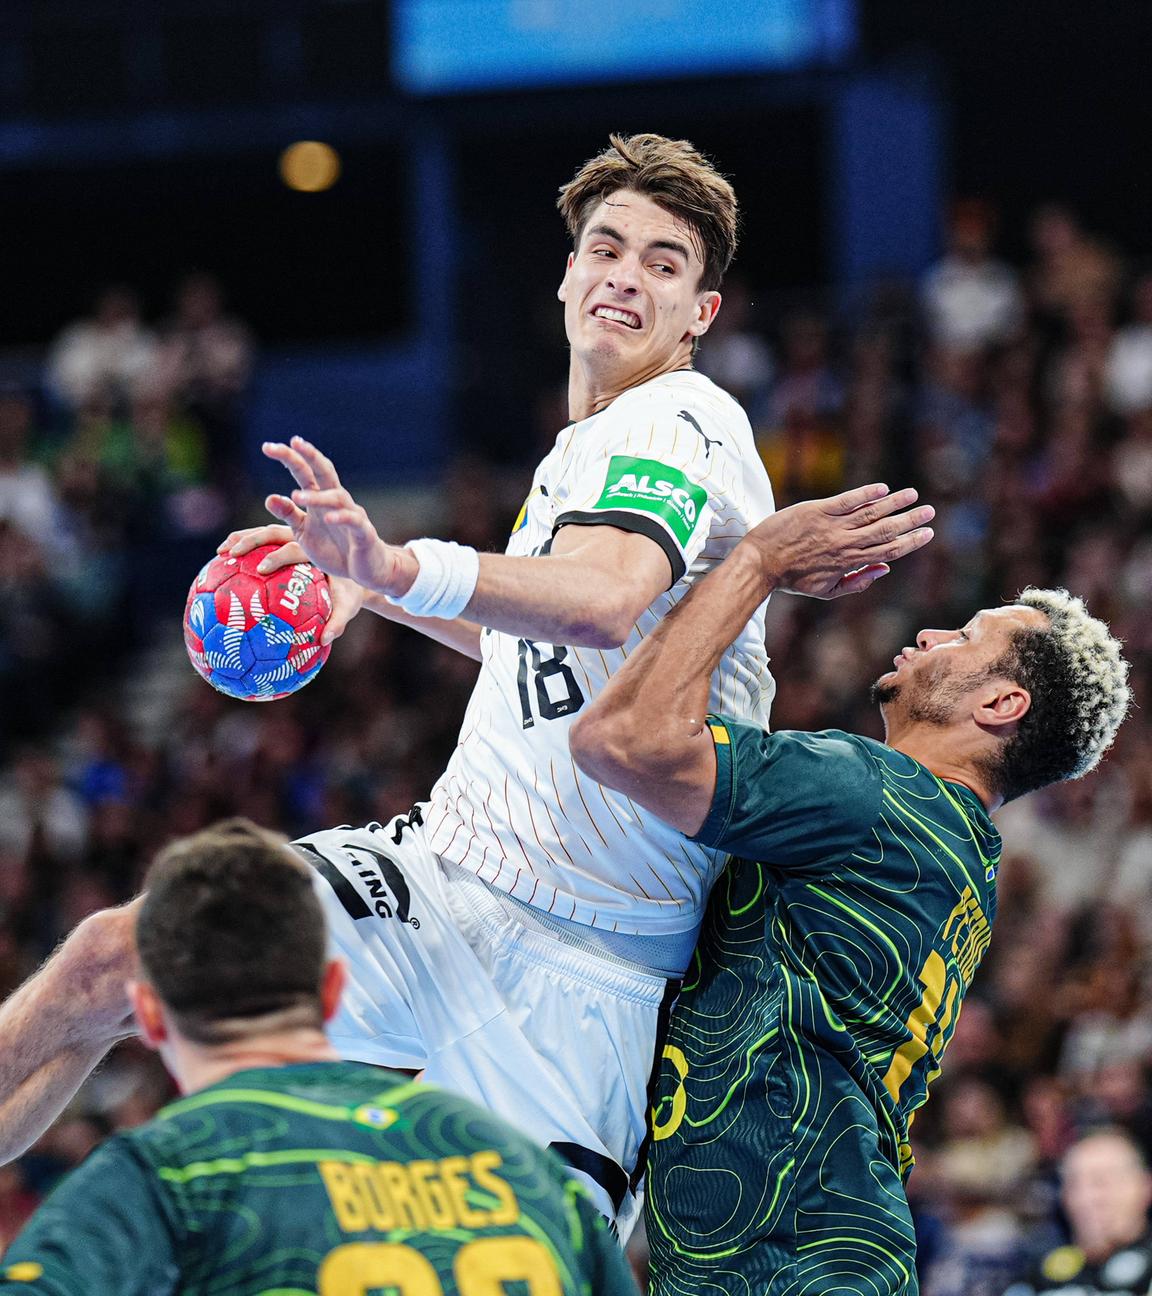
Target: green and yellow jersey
[317,1179]
[827,982]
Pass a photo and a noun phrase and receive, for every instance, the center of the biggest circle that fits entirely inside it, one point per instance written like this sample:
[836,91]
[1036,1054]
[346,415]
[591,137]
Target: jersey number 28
[483,1267]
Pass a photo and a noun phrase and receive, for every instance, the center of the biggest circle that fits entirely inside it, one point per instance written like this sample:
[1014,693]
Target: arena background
[945,280]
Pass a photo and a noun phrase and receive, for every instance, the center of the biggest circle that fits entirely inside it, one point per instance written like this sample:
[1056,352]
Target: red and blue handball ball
[256,637]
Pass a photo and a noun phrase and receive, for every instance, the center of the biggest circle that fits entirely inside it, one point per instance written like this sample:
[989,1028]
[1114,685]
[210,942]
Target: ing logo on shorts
[388,892]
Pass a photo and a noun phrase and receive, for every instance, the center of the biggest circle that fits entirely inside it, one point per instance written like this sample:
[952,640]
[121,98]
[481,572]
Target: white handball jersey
[674,460]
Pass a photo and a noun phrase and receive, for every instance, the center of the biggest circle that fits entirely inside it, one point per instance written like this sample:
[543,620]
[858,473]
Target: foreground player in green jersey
[283,1171]
[839,944]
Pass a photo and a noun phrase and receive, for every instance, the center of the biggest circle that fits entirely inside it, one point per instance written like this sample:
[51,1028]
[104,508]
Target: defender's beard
[934,699]
[881,694]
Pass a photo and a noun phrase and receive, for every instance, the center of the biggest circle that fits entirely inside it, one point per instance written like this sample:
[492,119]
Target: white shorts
[558,1039]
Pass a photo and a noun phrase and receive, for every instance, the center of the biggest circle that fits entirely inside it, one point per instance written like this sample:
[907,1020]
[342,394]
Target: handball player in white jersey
[521,935]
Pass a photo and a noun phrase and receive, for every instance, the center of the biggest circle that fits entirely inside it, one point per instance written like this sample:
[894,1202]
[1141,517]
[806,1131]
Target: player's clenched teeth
[620,316]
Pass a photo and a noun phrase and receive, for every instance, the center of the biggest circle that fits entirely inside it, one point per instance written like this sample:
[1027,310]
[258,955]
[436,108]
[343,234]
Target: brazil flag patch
[659,489]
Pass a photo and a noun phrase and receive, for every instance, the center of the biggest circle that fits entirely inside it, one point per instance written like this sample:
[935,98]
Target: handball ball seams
[257,637]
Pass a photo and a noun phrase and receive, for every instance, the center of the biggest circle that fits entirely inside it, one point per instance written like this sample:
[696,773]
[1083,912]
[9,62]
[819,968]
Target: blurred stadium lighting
[310,166]
[460,45]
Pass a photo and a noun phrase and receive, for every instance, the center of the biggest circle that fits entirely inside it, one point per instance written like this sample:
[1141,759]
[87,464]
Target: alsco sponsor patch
[650,487]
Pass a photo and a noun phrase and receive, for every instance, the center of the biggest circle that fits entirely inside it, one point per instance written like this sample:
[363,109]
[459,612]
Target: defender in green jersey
[285,1172]
[824,989]
[838,946]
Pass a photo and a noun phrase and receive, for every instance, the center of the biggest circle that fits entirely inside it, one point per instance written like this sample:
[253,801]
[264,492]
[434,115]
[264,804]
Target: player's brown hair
[676,176]
[231,934]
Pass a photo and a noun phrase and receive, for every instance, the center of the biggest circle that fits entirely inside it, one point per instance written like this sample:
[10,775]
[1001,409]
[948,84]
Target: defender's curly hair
[1078,682]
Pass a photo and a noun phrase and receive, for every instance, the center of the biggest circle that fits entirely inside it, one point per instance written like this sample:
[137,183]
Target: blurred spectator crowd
[1018,399]
[125,455]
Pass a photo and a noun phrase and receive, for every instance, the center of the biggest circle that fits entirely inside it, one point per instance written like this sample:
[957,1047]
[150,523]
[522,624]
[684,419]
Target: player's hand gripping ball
[257,637]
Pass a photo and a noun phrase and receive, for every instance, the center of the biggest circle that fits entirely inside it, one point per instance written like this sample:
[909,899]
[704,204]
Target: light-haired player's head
[231,936]
[1078,682]
[1042,680]
[654,228]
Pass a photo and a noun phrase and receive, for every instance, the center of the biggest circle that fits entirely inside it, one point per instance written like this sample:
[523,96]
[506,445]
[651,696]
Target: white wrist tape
[446,581]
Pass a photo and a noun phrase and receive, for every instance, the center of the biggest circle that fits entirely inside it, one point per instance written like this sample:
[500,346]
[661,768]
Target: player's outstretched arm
[588,592]
[645,734]
[59,1024]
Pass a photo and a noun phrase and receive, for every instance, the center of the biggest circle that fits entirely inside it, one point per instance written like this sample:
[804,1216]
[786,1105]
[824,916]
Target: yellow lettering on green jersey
[483,1165]
[357,1268]
[344,1196]
[453,1174]
[375,1200]
[488,1266]
[482,1267]
[453,1192]
[932,976]
[408,1210]
[666,1128]
[431,1193]
[970,932]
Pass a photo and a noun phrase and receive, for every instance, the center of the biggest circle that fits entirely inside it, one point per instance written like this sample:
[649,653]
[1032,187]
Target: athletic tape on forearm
[446,581]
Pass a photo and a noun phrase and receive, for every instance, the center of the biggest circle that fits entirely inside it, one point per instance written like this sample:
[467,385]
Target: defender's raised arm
[645,735]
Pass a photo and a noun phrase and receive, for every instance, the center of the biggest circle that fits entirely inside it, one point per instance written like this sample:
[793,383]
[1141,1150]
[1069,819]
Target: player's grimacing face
[631,290]
[932,680]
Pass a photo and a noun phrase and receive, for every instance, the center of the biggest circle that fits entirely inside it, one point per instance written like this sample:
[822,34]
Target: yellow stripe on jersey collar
[719,733]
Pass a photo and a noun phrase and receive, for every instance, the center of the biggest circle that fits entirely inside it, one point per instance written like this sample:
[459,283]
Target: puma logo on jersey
[708,441]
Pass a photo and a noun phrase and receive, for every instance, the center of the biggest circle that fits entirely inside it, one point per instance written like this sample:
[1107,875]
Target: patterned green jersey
[826,984]
[317,1179]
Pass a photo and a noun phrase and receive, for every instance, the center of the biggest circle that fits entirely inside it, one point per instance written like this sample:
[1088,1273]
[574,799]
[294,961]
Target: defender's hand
[332,530]
[347,596]
[829,547]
